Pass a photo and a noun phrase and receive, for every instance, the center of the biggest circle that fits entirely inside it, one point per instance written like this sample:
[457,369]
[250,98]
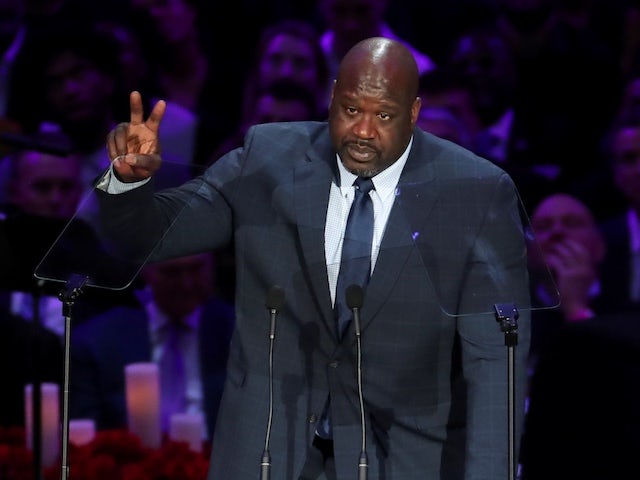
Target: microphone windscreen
[355,296]
[275,298]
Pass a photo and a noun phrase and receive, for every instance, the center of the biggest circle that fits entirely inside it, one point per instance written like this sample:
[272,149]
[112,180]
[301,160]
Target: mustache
[360,144]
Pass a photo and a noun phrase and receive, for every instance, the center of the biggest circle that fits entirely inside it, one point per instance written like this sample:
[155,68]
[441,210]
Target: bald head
[383,61]
[374,105]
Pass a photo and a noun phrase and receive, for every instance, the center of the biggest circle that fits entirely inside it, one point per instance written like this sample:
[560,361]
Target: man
[444,249]
[570,246]
[43,191]
[621,231]
[179,292]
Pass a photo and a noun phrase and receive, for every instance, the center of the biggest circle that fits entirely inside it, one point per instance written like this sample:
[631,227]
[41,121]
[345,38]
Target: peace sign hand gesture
[133,146]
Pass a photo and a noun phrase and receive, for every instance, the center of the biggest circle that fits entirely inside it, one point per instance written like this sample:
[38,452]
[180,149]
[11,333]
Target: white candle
[81,431]
[187,427]
[50,415]
[143,402]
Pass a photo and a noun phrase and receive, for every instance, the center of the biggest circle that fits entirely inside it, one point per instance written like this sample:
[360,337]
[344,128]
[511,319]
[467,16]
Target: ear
[415,110]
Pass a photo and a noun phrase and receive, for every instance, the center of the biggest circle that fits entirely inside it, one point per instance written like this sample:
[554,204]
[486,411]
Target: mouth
[361,153]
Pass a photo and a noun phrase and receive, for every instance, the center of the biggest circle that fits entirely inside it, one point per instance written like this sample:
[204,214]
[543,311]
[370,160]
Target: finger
[135,104]
[111,145]
[142,166]
[153,122]
[120,138]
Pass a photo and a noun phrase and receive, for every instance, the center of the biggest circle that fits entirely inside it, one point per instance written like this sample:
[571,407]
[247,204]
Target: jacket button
[313,418]
[334,364]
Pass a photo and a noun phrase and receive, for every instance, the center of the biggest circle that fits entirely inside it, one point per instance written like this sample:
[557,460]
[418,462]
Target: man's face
[371,119]
[560,220]
[77,91]
[46,185]
[291,58]
[353,20]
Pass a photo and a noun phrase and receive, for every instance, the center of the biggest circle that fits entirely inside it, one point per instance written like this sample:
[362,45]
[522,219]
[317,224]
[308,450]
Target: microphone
[274,302]
[355,299]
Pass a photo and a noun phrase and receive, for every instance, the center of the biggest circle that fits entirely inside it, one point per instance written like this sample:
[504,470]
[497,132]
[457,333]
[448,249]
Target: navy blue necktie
[355,268]
[355,262]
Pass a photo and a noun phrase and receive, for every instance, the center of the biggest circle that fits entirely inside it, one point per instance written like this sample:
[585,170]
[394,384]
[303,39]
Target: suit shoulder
[450,154]
[305,128]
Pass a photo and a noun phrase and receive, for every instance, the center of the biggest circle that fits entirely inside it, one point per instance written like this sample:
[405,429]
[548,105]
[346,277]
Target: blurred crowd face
[289,57]
[76,90]
[626,163]
[46,185]
[353,20]
[173,20]
[180,285]
[561,225]
[486,60]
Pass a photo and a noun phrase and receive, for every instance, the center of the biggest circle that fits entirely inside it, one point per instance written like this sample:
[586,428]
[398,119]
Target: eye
[384,115]
[352,110]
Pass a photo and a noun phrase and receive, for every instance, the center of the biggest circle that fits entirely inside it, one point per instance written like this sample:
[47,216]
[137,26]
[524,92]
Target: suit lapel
[407,222]
[311,197]
[408,217]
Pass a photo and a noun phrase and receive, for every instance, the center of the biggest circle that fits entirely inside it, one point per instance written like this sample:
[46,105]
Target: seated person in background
[178,293]
[569,245]
[621,266]
[43,192]
[287,52]
[280,101]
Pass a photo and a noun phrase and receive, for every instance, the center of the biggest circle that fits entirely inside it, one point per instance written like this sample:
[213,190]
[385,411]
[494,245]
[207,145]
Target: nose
[364,127]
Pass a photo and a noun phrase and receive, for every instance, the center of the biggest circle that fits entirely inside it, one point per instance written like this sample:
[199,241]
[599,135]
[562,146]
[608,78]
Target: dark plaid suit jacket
[452,248]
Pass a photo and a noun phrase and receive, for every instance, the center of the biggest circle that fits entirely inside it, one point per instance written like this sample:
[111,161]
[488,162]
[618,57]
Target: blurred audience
[486,60]
[180,124]
[172,45]
[280,101]
[286,52]
[565,259]
[178,295]
[561,59]
[67,81]
[289,51]
[43,193]
[12,33]
[621,268]
[347,22]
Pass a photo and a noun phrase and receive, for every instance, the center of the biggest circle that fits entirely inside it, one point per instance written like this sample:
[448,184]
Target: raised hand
[133,146]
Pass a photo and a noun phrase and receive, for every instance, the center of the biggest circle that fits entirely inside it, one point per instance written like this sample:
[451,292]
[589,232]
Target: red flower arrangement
[111,455]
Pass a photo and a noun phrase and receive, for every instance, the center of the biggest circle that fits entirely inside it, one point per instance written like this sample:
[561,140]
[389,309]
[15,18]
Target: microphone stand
[68,296]
[274,302]
[507,315]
